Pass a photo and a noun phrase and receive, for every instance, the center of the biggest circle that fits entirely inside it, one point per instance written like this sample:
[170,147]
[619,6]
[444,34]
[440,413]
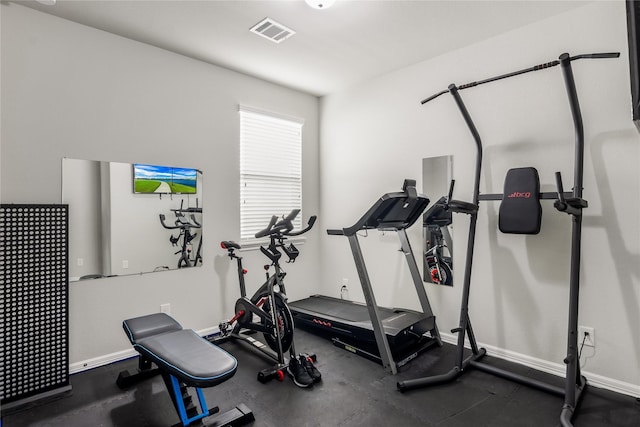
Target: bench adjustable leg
[145,371]
[188,413]
[181,399]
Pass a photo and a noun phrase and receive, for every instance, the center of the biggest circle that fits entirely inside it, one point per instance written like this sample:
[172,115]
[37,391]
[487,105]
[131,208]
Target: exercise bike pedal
[456,330]
[224,327]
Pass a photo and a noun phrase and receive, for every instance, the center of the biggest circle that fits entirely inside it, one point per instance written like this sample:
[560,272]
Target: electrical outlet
[80,262]
[125,263]
[165,308]
[590,339]
[344,289]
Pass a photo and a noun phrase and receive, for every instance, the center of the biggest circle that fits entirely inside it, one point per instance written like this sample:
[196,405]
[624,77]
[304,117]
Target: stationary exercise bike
[438,263]
[184,238]
[267,310]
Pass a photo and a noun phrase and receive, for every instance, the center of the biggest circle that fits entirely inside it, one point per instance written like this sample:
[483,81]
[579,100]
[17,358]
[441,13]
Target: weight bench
[184,359]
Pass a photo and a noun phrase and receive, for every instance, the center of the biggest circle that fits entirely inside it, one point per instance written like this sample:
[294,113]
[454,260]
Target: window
[270,169]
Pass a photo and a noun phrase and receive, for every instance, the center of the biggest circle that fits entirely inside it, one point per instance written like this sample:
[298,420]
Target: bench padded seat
[181,352]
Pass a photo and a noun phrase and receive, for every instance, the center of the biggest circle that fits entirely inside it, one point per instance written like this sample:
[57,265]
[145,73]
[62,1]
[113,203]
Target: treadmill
[390,336]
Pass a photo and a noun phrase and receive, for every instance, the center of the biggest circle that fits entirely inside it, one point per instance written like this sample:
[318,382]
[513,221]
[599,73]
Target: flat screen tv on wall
[152,179]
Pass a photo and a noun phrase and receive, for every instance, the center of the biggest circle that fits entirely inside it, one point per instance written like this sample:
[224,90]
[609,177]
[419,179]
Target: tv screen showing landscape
[163,179]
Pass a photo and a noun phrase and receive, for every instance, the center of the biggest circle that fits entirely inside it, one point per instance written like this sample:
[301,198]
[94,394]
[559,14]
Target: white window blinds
[270,169]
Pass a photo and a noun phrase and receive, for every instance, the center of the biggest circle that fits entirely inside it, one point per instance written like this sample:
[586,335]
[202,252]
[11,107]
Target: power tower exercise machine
[520,212]
[390,336]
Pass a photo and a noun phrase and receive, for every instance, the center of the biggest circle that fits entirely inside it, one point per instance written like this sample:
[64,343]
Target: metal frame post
[417,279]
[378,329]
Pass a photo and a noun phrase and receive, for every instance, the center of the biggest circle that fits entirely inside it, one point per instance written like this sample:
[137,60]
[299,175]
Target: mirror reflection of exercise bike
[438,262]
[267,310]
[186,236]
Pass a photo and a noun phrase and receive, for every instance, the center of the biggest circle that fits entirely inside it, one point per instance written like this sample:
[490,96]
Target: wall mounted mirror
[437,173]
[130,219]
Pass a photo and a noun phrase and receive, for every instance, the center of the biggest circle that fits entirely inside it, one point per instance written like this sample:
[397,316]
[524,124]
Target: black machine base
[401,357]
[348,325]
[236,417]
[245,337]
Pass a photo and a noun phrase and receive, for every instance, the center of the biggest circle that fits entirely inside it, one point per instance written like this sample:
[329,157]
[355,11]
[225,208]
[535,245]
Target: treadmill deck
[356,315]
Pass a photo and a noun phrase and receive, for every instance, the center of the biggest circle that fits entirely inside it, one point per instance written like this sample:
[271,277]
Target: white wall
[73,91]
[376,134]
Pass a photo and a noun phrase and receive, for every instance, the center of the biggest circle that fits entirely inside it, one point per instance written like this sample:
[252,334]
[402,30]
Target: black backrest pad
[520,210]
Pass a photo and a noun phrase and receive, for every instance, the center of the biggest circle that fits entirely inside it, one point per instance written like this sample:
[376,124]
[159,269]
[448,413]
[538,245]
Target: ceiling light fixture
[320,4]
[47,2]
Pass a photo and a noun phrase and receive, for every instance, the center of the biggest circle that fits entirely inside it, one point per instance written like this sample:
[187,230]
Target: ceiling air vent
[270,29]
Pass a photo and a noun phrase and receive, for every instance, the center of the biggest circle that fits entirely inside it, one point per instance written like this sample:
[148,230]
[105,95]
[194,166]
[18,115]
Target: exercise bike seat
[180,352]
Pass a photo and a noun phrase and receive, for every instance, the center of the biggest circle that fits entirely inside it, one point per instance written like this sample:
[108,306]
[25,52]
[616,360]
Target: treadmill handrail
[335,232]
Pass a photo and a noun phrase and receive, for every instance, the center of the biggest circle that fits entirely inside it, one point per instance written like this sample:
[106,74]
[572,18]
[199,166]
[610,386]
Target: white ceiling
[333,48]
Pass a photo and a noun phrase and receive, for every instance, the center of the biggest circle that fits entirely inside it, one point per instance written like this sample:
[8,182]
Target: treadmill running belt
[348,325]
[337,308]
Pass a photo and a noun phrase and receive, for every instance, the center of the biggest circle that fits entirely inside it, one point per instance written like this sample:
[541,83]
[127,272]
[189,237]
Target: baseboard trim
[557,369]
[96,362]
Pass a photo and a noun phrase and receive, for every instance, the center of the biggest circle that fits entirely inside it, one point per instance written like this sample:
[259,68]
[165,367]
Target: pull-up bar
[524,71]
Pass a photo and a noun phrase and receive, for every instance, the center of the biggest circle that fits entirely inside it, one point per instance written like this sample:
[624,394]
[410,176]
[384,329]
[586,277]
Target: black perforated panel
[34,350]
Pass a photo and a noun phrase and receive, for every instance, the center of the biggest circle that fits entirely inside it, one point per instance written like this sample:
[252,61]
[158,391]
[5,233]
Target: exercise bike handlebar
[168,227]
[312,220]
[267,230]
[195,221]
[180,223]
[538,67]
[284,227]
